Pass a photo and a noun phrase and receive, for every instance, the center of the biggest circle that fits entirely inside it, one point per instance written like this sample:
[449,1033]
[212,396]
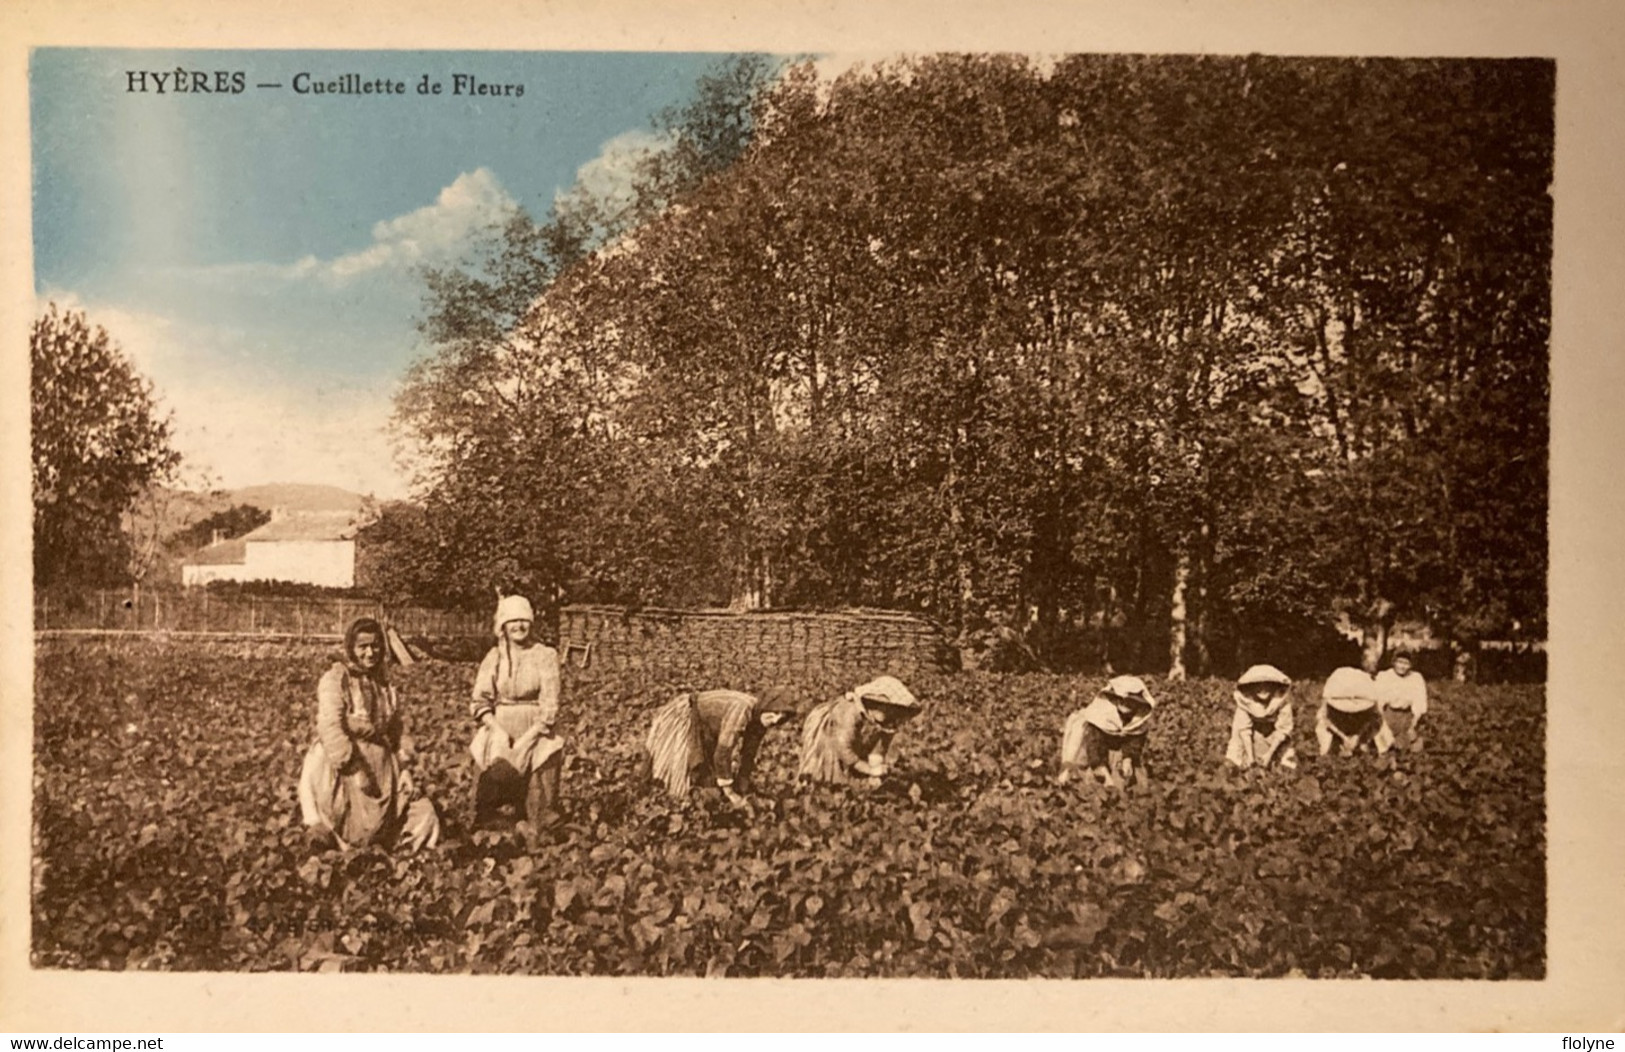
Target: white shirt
[1409,691]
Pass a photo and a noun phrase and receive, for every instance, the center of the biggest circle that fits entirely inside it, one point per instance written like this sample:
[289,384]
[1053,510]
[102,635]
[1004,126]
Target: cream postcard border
[1585,985]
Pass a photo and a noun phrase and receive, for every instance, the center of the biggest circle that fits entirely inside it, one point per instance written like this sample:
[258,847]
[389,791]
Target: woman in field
[515,705]
[356,787]
[1261,730]
[1350,718]
[1107,736]
[849,738]
[1404,697]
[711,738]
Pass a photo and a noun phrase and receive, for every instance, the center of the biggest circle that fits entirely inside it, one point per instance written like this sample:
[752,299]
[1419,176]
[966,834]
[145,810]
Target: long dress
[1349,718]
[1262,734]
[697,739]
[837,734]
[359,729]
[519,686]
[1097,736]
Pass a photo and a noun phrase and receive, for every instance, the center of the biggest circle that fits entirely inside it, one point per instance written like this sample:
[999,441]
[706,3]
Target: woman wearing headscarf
[1261,729]
[1350,719]
[515,705]
[1404,696]
[1107,736]
[355,786]
[712,738]
[850,737]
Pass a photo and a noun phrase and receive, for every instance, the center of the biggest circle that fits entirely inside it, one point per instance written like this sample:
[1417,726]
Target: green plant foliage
[167,837]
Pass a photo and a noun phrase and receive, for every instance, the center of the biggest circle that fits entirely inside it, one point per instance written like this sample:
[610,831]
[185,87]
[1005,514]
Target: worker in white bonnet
[1107,736]
[1350,718]
[515,705]
[849,739]
[1261,729]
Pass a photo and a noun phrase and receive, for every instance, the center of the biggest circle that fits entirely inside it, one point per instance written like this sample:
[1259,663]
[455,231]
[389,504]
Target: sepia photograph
[806,514]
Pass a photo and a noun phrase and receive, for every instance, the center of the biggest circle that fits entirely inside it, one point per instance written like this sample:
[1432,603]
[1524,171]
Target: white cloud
[435,233]
[609,176]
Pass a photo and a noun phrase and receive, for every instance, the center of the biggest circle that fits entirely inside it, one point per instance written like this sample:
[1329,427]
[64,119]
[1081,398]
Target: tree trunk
[964,577]
[1199,617]
[1177,619]
[1374,635]
[1465,664]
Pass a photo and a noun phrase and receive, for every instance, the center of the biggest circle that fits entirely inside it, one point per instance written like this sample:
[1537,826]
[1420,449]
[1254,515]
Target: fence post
[253,615]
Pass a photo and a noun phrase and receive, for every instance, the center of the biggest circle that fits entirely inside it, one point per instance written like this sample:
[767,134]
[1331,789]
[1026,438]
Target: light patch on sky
[272,370]
[261,257]
[237,423]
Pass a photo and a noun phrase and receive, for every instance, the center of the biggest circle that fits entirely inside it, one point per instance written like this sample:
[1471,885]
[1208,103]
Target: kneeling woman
[1350,719]
[711,738]
[355,787]
[849,738]
[1261,730]
[1107,736]
[516,703]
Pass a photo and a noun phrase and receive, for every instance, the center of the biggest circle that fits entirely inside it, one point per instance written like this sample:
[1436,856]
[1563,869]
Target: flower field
[167,837]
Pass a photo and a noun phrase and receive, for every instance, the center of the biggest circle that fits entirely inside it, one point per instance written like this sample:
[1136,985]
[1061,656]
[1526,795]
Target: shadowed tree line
[1154,362]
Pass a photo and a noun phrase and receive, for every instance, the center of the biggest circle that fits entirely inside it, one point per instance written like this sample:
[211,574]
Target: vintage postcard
[729,522]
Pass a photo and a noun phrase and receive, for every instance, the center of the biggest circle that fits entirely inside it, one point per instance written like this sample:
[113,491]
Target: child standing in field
[1404,697]
[1350,718]
[1107,736]
[1261,730]
[849,738]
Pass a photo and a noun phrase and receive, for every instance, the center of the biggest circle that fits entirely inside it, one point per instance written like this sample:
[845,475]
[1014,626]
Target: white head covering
[512,608]
[888,691]
[1130,687]
[1104,713]
[1264,674]
[1350,690]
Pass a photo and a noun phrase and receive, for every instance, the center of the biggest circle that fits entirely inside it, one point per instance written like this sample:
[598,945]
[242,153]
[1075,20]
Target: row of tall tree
[1167,361]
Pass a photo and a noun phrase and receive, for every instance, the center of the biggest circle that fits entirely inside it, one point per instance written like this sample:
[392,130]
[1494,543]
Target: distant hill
[160,520]
[178,509]
[297,496]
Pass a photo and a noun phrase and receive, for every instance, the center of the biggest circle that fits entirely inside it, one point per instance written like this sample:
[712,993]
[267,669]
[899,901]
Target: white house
[305,547]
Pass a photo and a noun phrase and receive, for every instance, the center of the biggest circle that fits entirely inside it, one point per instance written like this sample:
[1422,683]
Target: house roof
[307,526]
[227,553]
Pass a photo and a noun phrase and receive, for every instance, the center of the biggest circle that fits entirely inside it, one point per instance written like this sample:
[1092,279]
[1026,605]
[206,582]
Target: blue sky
[257,254]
